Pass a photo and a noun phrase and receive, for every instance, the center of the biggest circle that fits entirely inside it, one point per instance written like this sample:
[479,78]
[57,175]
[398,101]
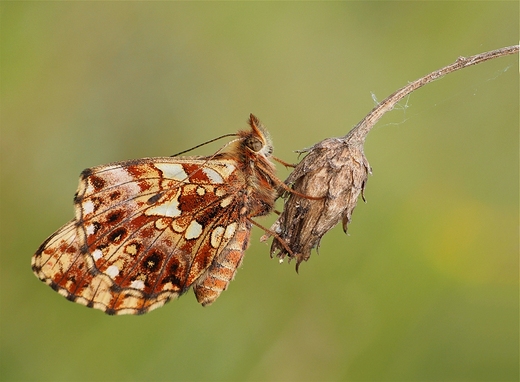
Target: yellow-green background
[425,287]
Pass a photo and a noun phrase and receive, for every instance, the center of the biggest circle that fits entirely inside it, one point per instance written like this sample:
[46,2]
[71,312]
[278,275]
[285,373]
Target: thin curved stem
[358,134]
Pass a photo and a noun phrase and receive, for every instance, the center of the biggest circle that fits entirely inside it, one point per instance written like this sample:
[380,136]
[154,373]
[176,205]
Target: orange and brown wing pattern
[223,269]
[147,230]
[61,264]
[144,232]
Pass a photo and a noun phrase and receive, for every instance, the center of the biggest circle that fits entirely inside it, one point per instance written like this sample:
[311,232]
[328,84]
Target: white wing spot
[177,226]
[216,236]
[167,208]
[230,230]
[88,207]
[90,189]
[193,231]
[226,202]
[201,191]
[227,169]
[161,224]
[97,254]
[131,249]
[112,271]
[220,191]
[212,175]
[173,171]
[137,284]
[90,229]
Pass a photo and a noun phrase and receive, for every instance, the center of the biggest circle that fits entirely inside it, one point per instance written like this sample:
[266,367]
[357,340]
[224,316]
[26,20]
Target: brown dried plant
[336,170]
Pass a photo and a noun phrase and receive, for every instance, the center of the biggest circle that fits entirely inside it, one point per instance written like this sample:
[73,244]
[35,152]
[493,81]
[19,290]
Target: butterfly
[147,230]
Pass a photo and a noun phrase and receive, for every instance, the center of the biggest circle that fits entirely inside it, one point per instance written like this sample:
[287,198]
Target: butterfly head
[257,140]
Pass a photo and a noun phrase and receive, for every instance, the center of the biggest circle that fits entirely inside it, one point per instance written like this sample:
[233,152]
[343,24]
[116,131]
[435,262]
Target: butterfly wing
[147,230]
[222,270]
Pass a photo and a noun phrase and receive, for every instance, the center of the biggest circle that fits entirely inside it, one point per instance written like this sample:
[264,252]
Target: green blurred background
[425,287]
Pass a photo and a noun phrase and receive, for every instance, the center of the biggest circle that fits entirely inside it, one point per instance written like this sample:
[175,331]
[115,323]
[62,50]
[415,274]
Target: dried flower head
[334,170]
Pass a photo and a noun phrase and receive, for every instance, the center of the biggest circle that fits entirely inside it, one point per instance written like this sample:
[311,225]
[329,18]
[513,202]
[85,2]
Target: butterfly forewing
[147,230]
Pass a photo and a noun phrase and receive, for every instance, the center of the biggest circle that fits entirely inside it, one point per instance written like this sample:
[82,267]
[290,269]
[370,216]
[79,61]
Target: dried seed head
[337,169]
[334,169]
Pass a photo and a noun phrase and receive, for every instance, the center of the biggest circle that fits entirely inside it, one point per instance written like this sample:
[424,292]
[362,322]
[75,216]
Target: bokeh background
[424,287]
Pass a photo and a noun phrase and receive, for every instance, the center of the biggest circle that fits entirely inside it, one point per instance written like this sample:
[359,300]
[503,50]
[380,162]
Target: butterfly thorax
[252,152]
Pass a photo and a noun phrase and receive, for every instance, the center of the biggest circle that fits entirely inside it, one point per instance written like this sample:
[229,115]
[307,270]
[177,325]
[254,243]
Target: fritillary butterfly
[147,230]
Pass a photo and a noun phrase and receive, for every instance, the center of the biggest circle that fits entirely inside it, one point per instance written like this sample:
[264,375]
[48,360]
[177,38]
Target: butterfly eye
[254,144]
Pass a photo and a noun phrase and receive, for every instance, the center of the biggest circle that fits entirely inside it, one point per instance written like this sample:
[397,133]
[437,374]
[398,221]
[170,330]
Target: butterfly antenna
[205,143]
[210,157]
[218,151]
[155,197]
